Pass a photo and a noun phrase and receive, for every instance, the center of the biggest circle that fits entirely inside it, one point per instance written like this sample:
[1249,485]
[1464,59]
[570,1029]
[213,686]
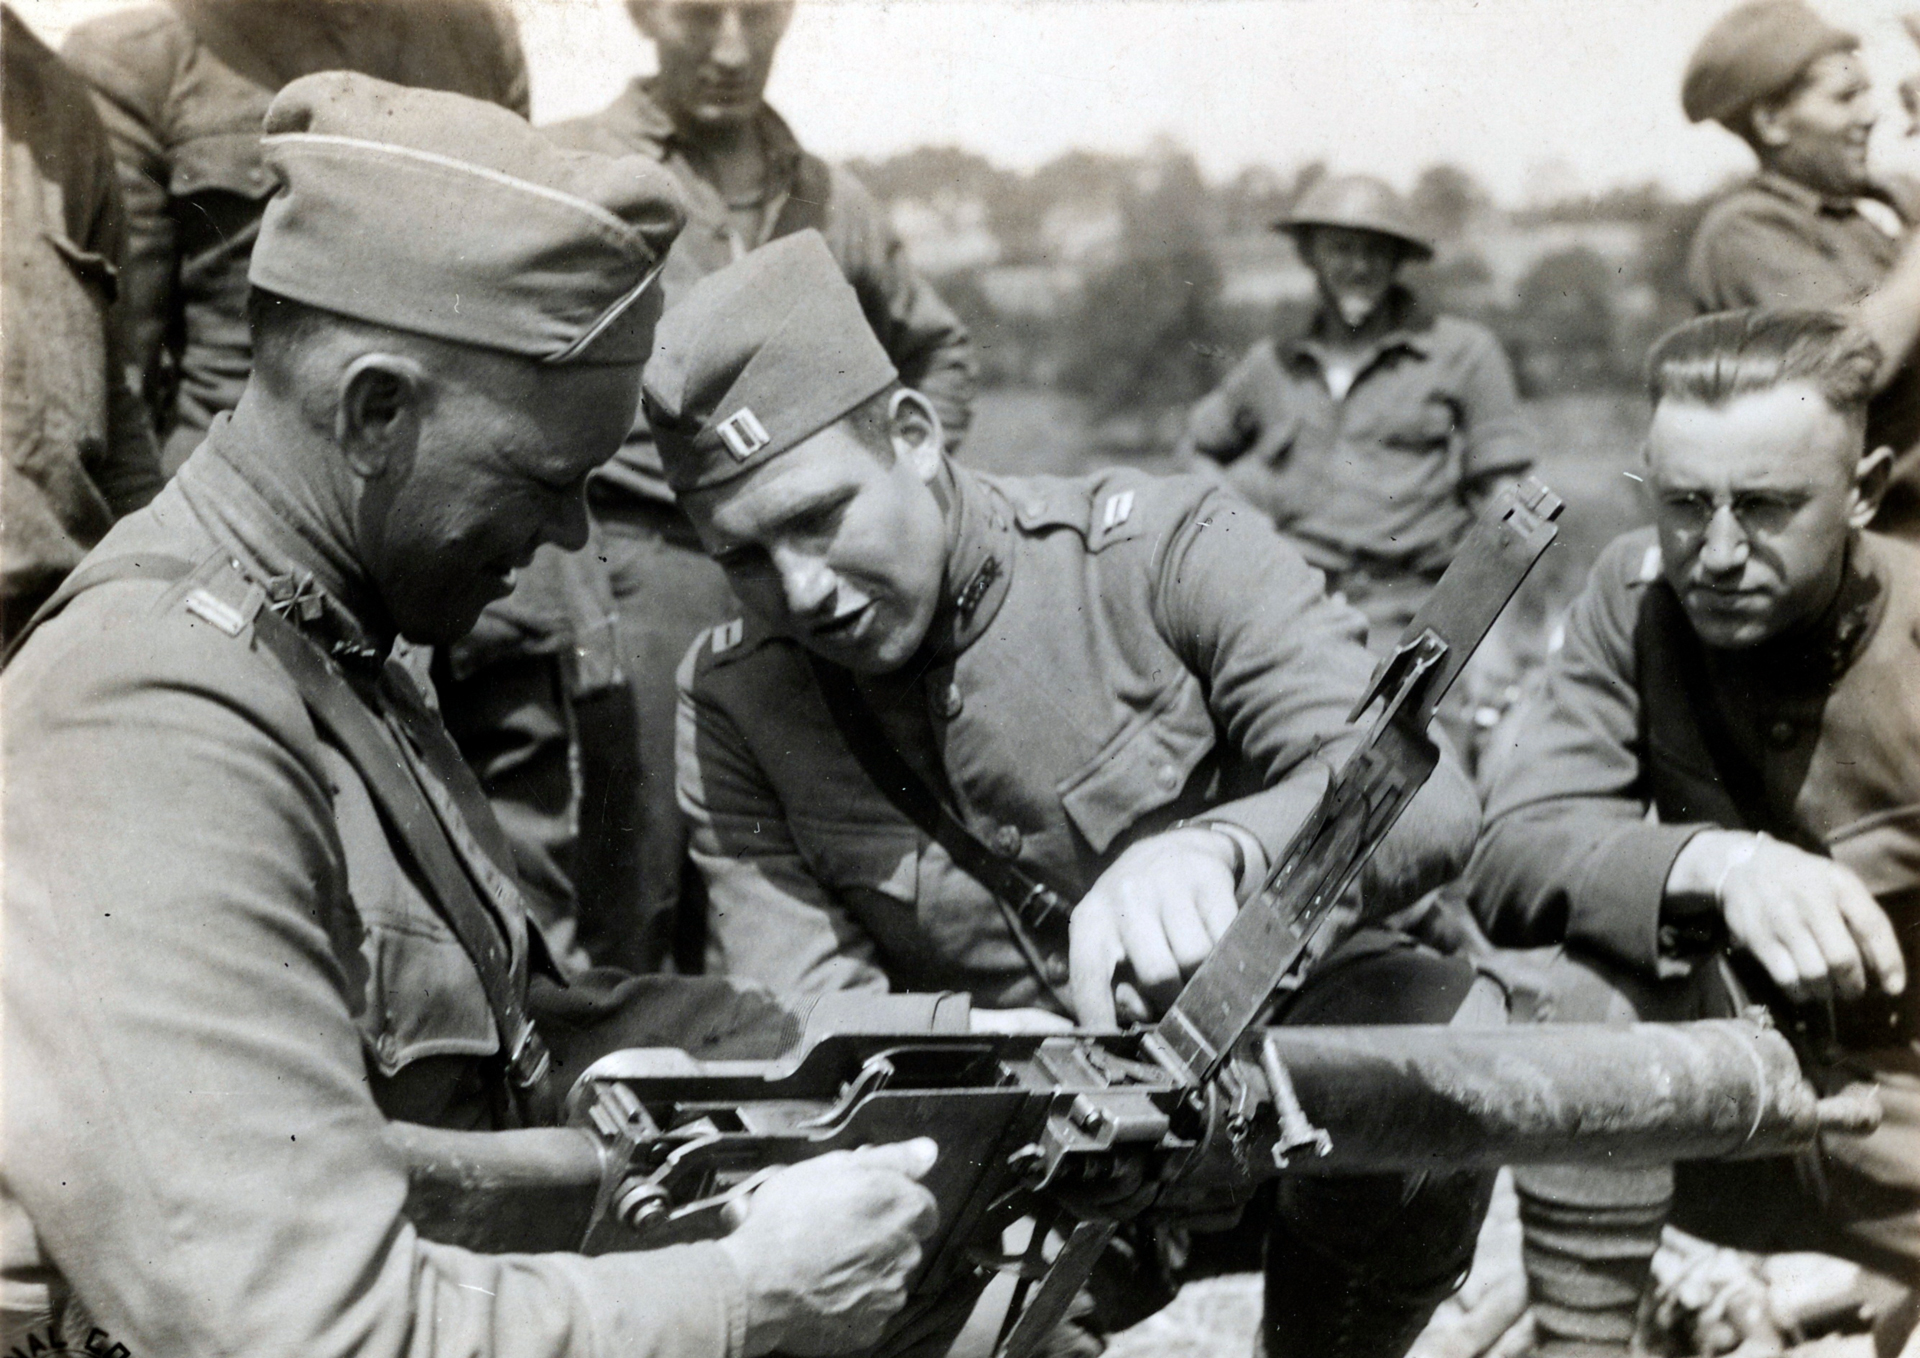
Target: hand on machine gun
[808,1171]
[826,1247]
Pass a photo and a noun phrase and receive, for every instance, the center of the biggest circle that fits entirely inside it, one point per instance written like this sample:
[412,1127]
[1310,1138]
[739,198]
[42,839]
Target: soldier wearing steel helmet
[1371,434]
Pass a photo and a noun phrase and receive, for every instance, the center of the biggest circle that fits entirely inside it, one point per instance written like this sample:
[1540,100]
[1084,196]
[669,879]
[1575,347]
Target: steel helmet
[1361,203]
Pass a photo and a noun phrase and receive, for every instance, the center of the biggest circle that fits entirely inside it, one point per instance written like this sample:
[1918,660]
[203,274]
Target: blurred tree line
[1134,282]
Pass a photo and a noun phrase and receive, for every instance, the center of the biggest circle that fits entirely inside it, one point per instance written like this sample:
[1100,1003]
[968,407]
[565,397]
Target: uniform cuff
[1615,907]
[684,1301]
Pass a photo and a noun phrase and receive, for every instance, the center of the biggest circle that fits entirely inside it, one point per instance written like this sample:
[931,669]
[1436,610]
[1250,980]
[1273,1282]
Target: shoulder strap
[428,832]
[1028,904]
[338,710]
[166,569]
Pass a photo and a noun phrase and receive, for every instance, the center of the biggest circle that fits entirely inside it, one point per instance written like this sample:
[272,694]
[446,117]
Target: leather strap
[1027,903]
[435,830]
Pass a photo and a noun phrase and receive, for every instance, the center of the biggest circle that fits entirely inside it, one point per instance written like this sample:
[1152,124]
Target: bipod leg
[1065,1278]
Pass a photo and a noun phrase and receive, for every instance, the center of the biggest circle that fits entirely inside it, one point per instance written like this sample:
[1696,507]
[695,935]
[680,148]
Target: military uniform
[182,88]
[1109,656]
[230,960]
[1110,675]
[1775,243]
[1824,735]
[1373,485]
[78,449]
[628,866]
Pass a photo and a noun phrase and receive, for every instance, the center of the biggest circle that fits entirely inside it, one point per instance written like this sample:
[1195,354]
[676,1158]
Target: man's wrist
[1247,859]
[1697,881]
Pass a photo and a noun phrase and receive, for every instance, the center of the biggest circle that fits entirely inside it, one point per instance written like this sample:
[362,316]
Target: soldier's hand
[1159,909]
[825,1248]
[1017,1021]
[1808,920]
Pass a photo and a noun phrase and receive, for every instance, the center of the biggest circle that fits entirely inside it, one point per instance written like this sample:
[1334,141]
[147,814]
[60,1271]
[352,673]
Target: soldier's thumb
[911,1158]
[1090,965]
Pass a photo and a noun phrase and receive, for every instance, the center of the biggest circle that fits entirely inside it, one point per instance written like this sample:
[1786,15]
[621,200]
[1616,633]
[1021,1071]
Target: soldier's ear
[1870,480]
[914,426]
[377,419]
[1766,125]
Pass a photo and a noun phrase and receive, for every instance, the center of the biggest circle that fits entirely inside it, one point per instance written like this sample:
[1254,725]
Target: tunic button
[1168,778]
[1781,733]
[948,702]
[1056,970]
[1007,841]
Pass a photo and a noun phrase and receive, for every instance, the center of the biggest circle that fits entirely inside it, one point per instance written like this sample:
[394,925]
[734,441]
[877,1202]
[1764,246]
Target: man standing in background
[79,452]
[746,180]
[1812,228]
[182,87]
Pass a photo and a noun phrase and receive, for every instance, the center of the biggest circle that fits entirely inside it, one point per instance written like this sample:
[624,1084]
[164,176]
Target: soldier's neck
[731,156]
[308,493]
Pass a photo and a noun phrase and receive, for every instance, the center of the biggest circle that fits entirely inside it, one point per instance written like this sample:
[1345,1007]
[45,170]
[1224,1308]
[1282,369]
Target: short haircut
[872,423]
[279,326]
[1716,359]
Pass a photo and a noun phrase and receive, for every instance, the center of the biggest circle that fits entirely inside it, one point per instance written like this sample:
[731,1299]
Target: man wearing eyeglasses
[1746,671]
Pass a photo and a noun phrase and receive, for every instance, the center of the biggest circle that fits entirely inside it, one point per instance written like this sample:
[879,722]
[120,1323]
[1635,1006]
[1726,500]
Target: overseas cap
[1754,52]
[757,358]
[1360,203]
[446,216]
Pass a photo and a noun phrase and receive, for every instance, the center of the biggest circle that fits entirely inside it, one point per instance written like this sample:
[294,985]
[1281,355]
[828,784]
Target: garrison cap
[1360,203]
[434,213]
[757,358]
[1753,53]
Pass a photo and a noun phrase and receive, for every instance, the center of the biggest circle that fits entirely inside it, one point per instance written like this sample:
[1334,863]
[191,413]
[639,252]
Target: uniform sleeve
[131,74]
[1498,438]
[770,921]
[1283,665]
[189,1125]
[1220,426]
[507,59]
[1750,260]
[919,331]
[1569,852]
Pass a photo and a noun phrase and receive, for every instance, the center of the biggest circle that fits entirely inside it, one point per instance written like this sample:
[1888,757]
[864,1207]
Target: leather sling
[409,813]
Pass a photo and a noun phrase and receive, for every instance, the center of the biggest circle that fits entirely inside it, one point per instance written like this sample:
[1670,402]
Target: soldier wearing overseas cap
[256,907]
[1372,434]
[1812,229]
[746,180]
[1128,688]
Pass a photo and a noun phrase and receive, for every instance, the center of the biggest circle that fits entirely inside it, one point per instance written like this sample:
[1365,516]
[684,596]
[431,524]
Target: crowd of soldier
[664,618]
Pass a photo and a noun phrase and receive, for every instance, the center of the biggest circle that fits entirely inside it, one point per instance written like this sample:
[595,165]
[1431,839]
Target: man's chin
[1730,629]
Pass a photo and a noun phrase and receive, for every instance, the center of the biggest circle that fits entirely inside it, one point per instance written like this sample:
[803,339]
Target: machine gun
[1181,1119]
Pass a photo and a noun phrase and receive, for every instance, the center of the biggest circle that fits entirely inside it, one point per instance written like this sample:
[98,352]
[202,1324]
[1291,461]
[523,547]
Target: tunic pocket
[1144,767]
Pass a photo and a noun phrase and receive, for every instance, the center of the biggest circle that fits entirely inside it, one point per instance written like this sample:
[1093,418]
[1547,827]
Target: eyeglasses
[1759,513]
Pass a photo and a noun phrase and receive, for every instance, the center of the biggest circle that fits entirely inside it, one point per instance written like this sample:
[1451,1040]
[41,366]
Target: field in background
[1587,446]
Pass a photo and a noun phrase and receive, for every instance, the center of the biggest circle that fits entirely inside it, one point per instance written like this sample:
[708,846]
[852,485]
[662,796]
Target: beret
[446,216]
[1754,52]
[757,358]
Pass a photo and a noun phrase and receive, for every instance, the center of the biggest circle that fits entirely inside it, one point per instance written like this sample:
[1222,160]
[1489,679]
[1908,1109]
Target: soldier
[182,87]
[1745,669]
[1126,687]
[255,906]
[746,180]
[1812,229]
[78,450]
[1373,434]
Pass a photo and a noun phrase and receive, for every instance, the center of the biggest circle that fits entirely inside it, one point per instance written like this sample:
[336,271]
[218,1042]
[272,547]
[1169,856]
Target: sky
[1535,97]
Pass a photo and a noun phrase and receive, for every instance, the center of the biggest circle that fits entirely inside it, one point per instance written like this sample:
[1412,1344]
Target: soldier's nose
[1725,548]
[730,43]
[806,581]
